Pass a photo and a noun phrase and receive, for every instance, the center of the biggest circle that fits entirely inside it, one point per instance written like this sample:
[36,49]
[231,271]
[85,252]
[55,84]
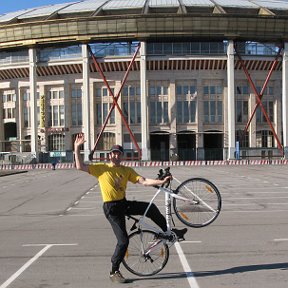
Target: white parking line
[281,240]
[191,242]
[83,208]
[190,276]
[30,262]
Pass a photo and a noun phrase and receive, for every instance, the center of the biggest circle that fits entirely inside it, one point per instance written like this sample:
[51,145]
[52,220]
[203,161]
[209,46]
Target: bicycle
[196,203]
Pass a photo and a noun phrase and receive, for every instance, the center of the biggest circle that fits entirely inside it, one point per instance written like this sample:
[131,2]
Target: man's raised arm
[78,160]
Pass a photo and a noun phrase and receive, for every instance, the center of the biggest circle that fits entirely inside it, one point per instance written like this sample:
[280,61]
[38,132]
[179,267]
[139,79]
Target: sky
[15,5]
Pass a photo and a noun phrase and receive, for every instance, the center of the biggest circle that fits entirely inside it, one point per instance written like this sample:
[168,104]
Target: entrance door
[213,145]
[10,136]
[186,143]
[159,145]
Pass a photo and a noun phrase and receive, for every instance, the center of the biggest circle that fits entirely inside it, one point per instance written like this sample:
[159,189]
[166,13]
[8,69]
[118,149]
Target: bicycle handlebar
[162,174]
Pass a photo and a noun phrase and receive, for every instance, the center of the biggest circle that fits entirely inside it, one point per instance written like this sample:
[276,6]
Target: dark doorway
[10,131]
[186,143]
[213,145]
[10,136]
[159,145]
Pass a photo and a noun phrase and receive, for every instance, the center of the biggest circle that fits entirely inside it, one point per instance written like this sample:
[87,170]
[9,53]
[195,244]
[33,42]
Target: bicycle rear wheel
[202,205]
[154,258]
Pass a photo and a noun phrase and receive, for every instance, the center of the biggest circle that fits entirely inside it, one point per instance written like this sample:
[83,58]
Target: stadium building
[167,79]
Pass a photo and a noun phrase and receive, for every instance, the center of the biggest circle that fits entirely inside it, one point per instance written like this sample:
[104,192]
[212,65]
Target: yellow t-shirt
[113,180]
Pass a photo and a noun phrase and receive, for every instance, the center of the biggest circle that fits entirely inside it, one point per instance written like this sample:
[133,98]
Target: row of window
[242,111]
[56,142]
[246,90]
[264,139]
[159,114]
[131,91]
[127,48]
[186,96]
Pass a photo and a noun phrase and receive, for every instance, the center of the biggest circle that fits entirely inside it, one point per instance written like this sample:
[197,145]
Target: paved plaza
[53,232]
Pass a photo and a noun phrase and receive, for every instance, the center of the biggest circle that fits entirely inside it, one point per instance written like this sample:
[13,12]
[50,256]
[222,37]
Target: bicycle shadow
[232,270]
[243,269]
[162,276]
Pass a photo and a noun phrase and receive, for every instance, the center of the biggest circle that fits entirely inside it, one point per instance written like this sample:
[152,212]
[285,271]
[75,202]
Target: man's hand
[167,179]
[79,140]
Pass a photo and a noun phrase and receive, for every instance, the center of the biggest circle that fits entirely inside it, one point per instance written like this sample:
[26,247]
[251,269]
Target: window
[106,141]
[8,97]
[213,104]
[9,104]
[27,107]
[264,138]
[241,111]
[26,117]
[269,107]
[158,112]
[158,102]
[186,48]
[103,103]
[56,110]
[56,94]
[9,113]
[113,48]
[186,93]
[56,116]
[76,106]
[186,112]
[242,138]
[56,142]
[131,103]
[242,89]
[128,143]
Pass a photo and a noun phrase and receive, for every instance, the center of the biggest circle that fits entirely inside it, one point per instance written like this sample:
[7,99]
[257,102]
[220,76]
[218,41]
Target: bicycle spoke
[153,259]
[199,202]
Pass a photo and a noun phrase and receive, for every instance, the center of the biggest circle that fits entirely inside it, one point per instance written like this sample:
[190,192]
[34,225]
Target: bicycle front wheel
[200,202]
[146,254]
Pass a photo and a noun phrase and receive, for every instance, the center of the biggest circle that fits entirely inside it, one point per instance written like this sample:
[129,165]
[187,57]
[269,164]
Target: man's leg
[139,208]
[119,228]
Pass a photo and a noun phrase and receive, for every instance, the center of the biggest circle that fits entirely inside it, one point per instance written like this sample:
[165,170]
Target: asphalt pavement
[53,232]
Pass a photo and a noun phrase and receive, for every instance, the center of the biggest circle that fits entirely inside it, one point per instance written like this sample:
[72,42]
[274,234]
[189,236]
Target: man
[113,178]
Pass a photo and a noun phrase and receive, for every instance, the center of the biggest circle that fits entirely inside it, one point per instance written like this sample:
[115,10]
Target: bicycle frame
[169,193]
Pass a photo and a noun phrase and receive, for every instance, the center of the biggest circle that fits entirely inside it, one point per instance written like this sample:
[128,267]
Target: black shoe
[180,233]
[171,237]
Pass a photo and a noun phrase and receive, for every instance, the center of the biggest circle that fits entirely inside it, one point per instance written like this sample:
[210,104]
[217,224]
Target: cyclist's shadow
[161,276]
[232,270]
[243,269]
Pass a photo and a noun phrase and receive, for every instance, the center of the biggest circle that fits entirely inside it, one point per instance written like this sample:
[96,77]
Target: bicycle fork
[168,212]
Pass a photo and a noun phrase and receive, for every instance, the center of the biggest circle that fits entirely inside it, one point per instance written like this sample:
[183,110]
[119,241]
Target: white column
[173,112]
[144,103]
[19,120]
[284,98]
[86,101]
[231,100]
[2,148]
[33,101]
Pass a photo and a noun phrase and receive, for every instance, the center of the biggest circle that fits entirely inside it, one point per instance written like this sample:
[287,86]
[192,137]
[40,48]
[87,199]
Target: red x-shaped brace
[260,95]
[115,99]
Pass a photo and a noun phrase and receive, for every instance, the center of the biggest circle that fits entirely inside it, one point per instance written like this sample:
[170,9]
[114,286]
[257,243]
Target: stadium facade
[196,72]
